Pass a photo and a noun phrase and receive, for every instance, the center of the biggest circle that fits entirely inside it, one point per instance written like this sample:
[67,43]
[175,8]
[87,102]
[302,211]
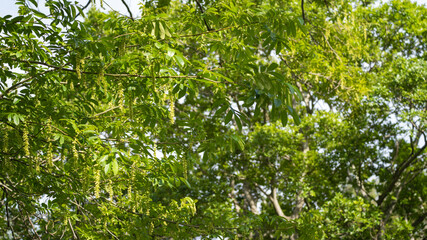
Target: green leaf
[185,182]
[238,122]
[294,115]
[228,117]
[180,60]
[171,52]
[103,158]
[162,30]
[154,29]
[107,168]
[239,141]
[272,66]
[34,2]
[16,119]
[222,110]
[284,118]
[115,166]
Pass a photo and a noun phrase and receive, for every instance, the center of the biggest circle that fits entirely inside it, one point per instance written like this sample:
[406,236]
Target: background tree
[239,119]
[330,176]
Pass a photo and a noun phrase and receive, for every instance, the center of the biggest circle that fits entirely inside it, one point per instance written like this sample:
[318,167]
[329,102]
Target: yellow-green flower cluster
[122,48]
[121,98]
[37,162]
[5,140]
[26,140]
[185,166]
[78,66]
[49,153]
[97,182]
[5,145]
[74,149]
[110,190]
[151,228]
[172,108]
[101,79]
[132,178]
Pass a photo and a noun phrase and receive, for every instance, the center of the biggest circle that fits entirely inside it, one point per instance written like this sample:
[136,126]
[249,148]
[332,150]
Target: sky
[8,7]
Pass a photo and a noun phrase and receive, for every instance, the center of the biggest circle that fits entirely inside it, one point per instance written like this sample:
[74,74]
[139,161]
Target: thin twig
[117,74]
[302,9]
[6,187]
[111,233]
[111,109]
[327,42]
[8,215]
[188,35]
[72,229]
[126,34]
[204,19]
[83,8]
[127,7]
[210,31]
[17,85]
[32,225]
[119,13]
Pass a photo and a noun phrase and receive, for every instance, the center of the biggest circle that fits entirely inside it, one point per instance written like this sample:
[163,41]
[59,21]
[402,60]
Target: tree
[240,119]
[353,167]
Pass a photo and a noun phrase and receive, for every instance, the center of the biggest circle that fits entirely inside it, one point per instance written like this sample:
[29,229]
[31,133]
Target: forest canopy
[214,119]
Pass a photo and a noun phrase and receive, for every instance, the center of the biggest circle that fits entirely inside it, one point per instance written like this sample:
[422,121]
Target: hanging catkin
[122,48]
[78,66]
[185,166]
[121,97]
[110,190]
[97,182]
[5,147]
[37,162]
[132,178]
[171,107]
[74,150]
[101,79]
[49,139]
[5,140]
[25,140]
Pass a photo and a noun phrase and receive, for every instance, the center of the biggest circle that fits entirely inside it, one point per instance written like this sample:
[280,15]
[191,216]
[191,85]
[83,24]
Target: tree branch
[72,229]
[111,109]
[419,220]
[83,8]
[189,35]
[249,197]
[204,20]
[109,74]
[21,83]
[7,211]
[398,173]
[276,204]
[233,196]
[209,31]
[127,7]
[32,226]
[327,42]
[302,9]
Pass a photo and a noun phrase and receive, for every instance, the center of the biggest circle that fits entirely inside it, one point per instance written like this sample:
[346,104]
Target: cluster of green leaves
[89,110]
[185,121]
[353,166]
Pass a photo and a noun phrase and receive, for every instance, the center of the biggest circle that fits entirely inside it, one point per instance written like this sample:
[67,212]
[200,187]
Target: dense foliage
[215,119]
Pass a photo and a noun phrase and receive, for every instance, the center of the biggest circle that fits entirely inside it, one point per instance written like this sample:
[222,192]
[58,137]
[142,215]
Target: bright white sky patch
[8,7]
